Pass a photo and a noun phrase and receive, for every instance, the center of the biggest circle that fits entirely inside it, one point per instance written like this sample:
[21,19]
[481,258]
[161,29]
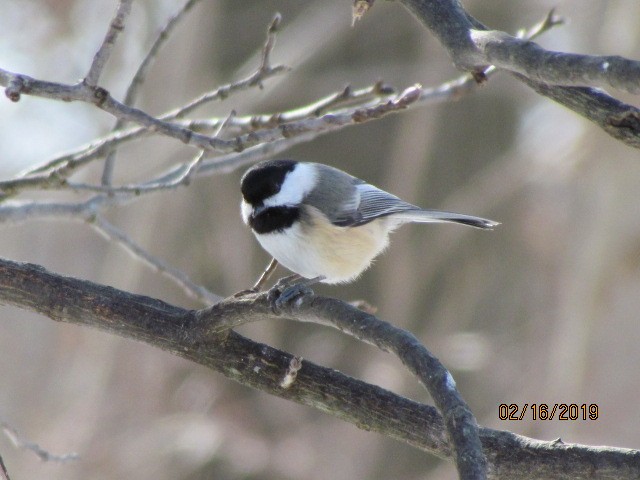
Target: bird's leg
[264,278]
[266,275]
[291,287]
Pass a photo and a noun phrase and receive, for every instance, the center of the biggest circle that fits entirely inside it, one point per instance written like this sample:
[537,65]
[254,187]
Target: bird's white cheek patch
[297,184]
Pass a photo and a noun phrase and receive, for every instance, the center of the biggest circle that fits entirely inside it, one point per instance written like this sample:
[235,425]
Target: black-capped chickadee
[324,224]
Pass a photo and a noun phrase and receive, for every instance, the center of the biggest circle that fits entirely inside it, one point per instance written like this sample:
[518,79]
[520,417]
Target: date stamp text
[544,411]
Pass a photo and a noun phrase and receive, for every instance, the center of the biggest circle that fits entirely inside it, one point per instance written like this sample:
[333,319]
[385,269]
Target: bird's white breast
[339,254]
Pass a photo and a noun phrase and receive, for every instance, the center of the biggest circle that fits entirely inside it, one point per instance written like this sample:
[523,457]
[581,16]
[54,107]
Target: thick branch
[260,366]
[563,77]
[460,422]
[473,47]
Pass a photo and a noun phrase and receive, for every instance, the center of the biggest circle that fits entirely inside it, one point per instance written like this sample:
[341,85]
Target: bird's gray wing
[375,203]
[349,201]
[366,203]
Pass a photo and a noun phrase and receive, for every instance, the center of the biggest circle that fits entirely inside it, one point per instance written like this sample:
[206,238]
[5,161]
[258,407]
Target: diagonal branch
[259,366]
[4,474]
[473,46]
[104,52]
[337,110]
[564,77]
[460,423]
[264,71]
[164,34]
[139,78]
[113,233]
[40,452]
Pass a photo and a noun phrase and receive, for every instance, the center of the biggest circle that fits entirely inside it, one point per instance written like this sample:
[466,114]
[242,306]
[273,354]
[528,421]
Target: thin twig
[138,80]
[66,164]
[177,276]
[4,474]
[104,52]
[264,71]
[183,175]
[333,110]
[186,173]
[42,454]
[159,42]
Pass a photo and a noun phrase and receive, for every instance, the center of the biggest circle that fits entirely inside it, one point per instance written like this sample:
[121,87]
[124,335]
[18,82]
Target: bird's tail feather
[436,216]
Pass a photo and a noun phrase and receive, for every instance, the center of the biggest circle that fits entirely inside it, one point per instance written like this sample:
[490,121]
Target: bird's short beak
[258,210]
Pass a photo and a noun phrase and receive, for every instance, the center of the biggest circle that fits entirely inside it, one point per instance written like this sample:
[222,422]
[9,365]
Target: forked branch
[192,335]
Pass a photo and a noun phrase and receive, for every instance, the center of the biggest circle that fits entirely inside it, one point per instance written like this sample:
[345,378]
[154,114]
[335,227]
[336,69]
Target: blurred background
[542,310]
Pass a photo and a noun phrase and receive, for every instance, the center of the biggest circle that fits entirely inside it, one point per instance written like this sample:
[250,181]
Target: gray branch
[191,335]
[564,77]
[104,52]
[460,423]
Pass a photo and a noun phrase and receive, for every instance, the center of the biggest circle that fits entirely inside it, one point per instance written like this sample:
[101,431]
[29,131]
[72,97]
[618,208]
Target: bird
[323,224]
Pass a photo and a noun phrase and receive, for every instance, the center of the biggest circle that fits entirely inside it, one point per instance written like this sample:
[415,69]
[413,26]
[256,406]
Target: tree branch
[349,102]
[104,52]
[189,335]
[113,233]
[563,77]
[460,423]
[139,78]
[40,452]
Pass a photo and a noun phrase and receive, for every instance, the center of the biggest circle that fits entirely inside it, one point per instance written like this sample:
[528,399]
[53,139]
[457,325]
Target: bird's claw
[284,292]
[248,291]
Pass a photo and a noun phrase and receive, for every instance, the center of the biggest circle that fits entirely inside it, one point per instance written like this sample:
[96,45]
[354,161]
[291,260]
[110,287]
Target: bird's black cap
[264,180]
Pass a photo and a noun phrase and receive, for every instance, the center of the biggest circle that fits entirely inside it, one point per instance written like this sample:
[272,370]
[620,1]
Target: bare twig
[563,77]
[42,454]
[177,276]
[4,474]
[344,103]
[183,175]
[104,52]
[264,71]
[163,36]
[139,78]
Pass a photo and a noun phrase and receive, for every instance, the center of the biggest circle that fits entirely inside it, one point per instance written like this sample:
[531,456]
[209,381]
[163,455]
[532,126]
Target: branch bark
[564,77]
[189,335]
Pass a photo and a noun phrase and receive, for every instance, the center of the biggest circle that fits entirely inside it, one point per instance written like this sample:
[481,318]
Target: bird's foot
[290,288]
[248,291]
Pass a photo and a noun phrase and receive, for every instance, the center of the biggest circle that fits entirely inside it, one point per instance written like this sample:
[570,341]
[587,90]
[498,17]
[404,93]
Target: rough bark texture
[570,79]
[190,334]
